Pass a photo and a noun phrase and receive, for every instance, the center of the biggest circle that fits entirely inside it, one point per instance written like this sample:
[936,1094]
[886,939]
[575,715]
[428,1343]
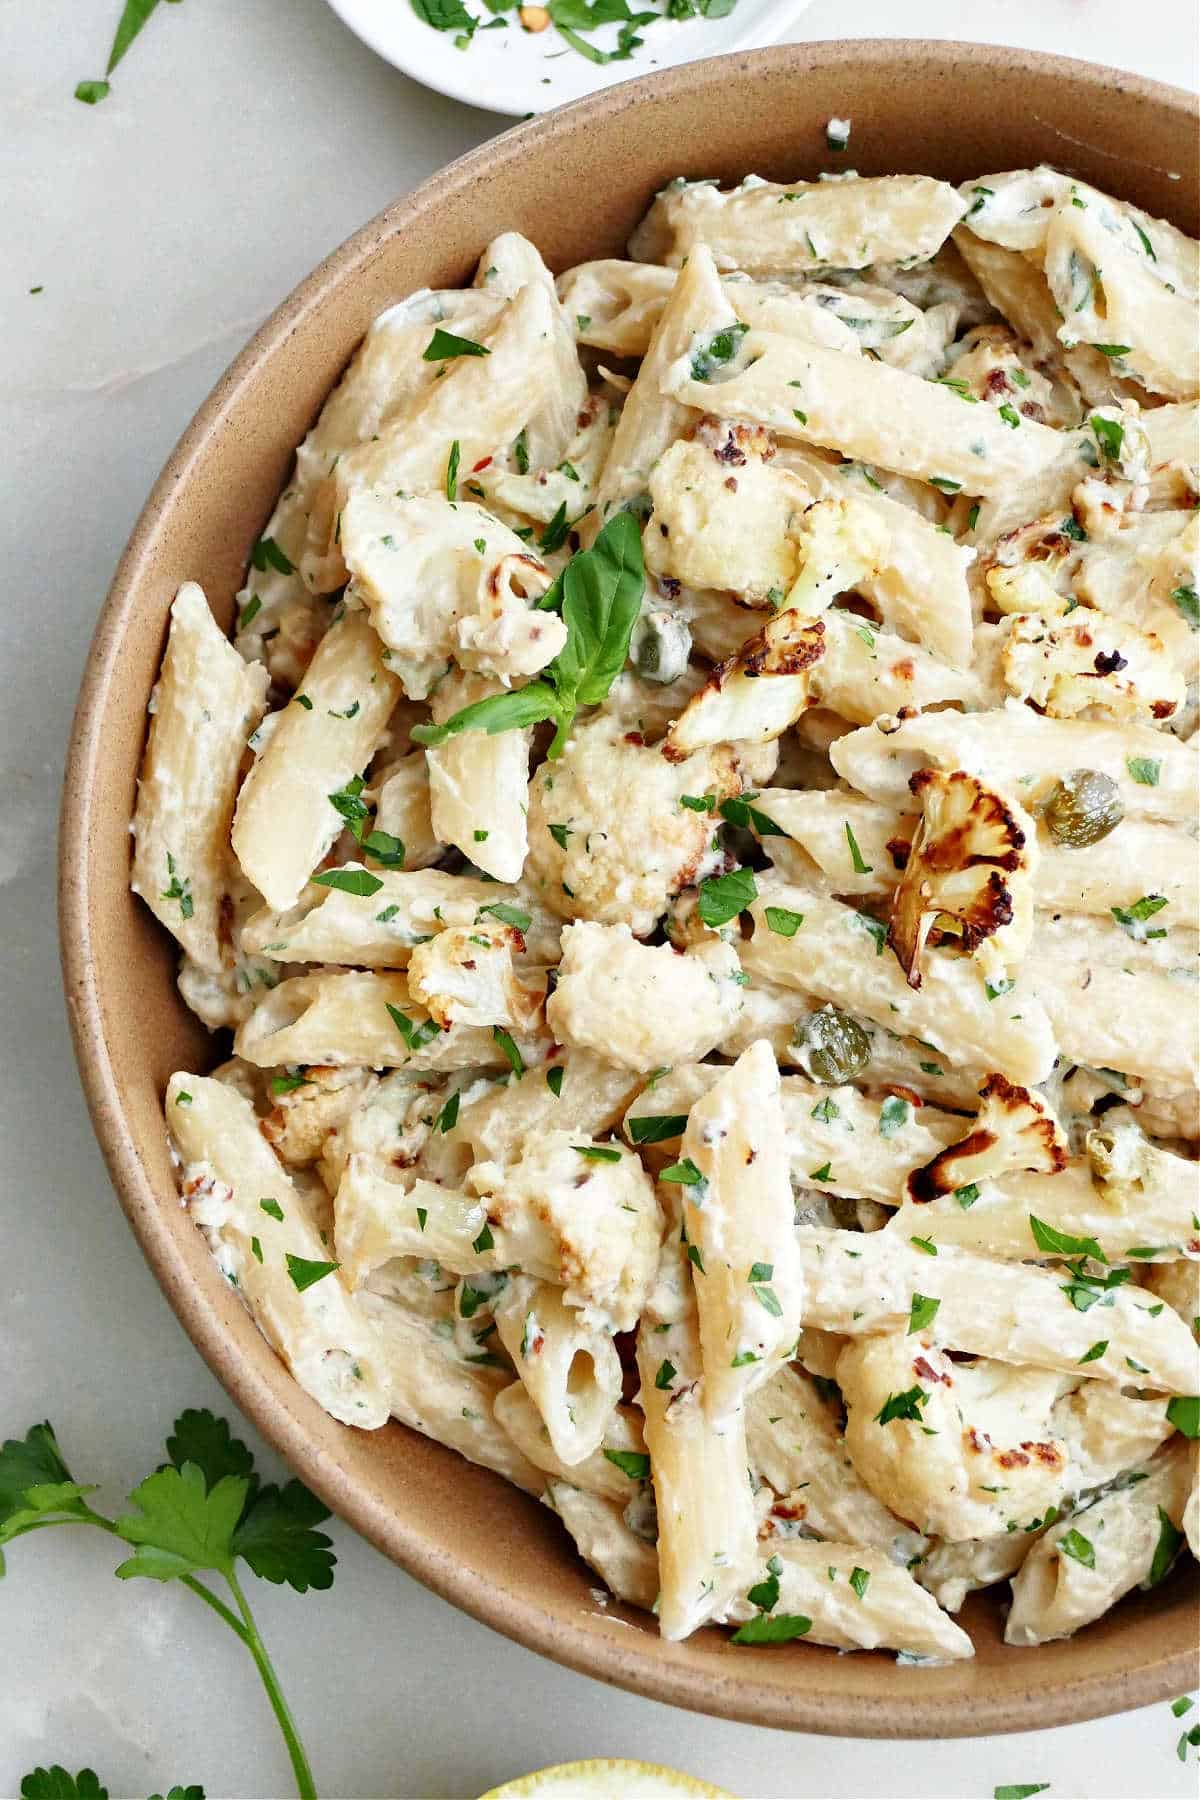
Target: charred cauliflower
[971,865]
[593,853]
[756,694]
[1070,665]
[465,976]
[1013,1129]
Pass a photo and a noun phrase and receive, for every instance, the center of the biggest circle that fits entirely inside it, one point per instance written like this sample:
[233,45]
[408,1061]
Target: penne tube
[206,704]
[855,1598]
[258,1226]
[345,1017]
[1018,751]
[570,1370]
[739,1216]
[626,1563]
[606,1476]
[763,226]
[436,1391]
[838,955]
[860,1283]
[285,824]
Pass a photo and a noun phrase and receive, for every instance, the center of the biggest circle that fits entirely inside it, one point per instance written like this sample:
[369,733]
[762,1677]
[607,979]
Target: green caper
[1083,808]
[833,1046]
[660,645]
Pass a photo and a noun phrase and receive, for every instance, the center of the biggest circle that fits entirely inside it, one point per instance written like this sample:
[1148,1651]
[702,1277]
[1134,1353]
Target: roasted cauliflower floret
[969,871]
[755,694]
[841,543]
[1086,660]
[608,837]
[723,517]
[959,1449]
[600,1209]
[639,1006]
[1013,1129]
[389,1127]
[987,367]
[465,976]
[308,1106]
[445,580]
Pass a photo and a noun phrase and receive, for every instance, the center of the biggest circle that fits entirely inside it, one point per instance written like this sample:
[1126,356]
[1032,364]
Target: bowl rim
[628,1663]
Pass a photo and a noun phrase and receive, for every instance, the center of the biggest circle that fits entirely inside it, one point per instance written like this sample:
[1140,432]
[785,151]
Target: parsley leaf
[305,1273]
[1061,1243]
[1145,770]
[1080,1549]
[772,1628]
[55,1783]
[783,921]
[723,897]
[1170,1543]
[505,1042]
[1184,1413]
[902,1406]
[922,1312]
[894,1115]
[350,881]
[444,346]
[198,1514]
[633,1463]
[720,349]
[655,1128]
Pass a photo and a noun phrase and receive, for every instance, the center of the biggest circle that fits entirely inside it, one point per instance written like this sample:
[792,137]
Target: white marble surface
[244,139]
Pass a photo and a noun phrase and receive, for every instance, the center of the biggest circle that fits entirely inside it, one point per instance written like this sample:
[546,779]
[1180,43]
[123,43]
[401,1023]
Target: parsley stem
[88,1516]
[248,1631]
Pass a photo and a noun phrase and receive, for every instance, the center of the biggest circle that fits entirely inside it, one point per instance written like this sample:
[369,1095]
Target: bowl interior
[575,182]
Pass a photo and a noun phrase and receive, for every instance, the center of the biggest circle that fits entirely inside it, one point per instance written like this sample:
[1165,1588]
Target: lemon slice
[606,1778]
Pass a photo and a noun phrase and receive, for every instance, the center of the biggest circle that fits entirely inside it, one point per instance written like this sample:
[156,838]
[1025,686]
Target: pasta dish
[694,836]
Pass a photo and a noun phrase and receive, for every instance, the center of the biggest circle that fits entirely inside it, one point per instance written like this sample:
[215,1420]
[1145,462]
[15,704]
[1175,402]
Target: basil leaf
[508,711]
[602,596]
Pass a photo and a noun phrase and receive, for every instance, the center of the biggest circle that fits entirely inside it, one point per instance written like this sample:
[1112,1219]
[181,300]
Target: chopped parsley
[306,1274]
[444,346]
[902,1406]
[504,1040]
[894,1115]
[723,897]
[782,921]
[684,1172]
[720,349]
[654,1128]
[415,1036]
[856,856]
[922,1312]
[634,1463]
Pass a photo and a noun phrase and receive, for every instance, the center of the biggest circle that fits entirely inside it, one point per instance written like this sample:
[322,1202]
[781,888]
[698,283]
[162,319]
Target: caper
[661,644]
[1083,808]
[833,1046]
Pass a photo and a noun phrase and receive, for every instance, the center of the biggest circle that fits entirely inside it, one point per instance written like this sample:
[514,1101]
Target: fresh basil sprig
[600,595]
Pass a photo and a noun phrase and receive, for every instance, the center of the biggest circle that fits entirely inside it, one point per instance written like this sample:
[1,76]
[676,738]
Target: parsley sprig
[600,594]
[200,1514]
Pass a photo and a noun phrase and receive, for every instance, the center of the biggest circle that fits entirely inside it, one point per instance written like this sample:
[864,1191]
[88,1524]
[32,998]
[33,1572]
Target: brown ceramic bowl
[576,182]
